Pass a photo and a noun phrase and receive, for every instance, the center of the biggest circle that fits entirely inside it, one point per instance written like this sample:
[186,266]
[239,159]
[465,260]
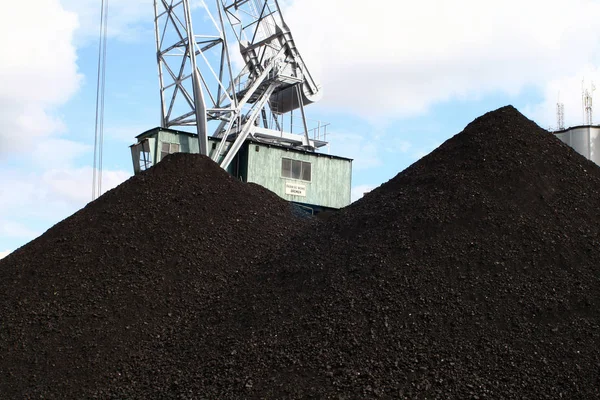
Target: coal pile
[125,277]
[474,273]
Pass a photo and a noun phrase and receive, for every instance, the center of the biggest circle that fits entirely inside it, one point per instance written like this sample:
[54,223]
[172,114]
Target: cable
[101,157]
[100,90]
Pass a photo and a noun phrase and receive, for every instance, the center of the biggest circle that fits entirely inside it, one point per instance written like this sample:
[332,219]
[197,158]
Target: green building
[315,180]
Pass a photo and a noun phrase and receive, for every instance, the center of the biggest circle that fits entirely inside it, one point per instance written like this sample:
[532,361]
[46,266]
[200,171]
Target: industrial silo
[585,139]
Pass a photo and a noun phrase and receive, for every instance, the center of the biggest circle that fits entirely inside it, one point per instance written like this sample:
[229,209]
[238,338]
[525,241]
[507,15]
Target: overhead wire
[100,90]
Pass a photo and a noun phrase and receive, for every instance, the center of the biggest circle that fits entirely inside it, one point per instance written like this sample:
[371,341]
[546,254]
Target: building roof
[158,128]
[152,131]
[576,127]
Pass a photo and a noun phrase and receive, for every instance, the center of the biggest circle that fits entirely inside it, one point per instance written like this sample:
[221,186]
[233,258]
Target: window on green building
[295,169]
[168,148]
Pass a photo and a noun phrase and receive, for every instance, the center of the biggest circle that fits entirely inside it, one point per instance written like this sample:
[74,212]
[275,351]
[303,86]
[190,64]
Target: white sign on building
[295,189]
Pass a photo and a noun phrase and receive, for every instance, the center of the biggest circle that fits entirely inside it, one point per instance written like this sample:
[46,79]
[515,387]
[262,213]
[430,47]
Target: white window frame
[292,168]
[172,147]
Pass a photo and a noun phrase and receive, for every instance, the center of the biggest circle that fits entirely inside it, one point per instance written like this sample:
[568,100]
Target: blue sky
[399,79]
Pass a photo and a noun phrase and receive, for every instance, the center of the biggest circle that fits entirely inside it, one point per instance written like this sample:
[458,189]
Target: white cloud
[4,253]
[424,149]
[398,59]
[58,153]
[397,145]
[61,191]
[124,133]
[17,230]
[128,20]
[363,151]
[31,202]
[38,74]
[369,150]
[73,186]
[37,77]
[567,90]
[360,190]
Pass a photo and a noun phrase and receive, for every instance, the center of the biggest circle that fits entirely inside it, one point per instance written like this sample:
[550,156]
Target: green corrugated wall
[331,179]
[189,144]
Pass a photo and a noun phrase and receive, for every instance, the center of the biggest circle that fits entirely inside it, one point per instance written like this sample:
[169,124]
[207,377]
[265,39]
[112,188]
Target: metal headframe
[197,82]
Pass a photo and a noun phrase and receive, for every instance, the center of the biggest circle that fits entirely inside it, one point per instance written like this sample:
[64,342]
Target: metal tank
[584,139]
[286,100]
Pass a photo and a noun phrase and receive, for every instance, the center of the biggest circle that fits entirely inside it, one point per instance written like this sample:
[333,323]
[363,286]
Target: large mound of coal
[125,278]
[475,273]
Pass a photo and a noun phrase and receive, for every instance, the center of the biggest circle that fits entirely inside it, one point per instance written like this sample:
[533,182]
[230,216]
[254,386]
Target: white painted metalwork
[198,86]
[100,90]
[560,116]
[586,103]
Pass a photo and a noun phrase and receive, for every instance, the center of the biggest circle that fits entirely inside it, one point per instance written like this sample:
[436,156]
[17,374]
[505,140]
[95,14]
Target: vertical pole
[292,114]
[318,136]
[582,103]
[163,122]
[200,106]
[300,103]
[226,50]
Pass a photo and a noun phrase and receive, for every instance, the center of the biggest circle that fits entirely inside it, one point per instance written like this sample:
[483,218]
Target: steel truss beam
[197,83]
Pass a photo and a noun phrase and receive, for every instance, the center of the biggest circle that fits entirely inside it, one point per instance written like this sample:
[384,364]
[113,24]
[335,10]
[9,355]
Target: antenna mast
[560,116]
[587,103]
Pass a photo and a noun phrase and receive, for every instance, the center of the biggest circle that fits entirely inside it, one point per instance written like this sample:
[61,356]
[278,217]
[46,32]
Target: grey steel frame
[193,91]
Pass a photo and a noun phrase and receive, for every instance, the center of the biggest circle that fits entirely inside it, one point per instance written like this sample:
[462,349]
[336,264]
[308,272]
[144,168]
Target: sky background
[399,79]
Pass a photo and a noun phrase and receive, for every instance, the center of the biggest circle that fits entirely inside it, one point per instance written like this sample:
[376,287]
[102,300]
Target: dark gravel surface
[473,274]
[123,281]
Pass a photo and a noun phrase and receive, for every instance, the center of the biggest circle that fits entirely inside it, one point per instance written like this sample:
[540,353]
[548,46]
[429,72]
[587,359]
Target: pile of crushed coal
[474,273]
[123,278]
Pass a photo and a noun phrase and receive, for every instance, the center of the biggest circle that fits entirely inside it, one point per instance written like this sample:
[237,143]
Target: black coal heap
[474,273]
